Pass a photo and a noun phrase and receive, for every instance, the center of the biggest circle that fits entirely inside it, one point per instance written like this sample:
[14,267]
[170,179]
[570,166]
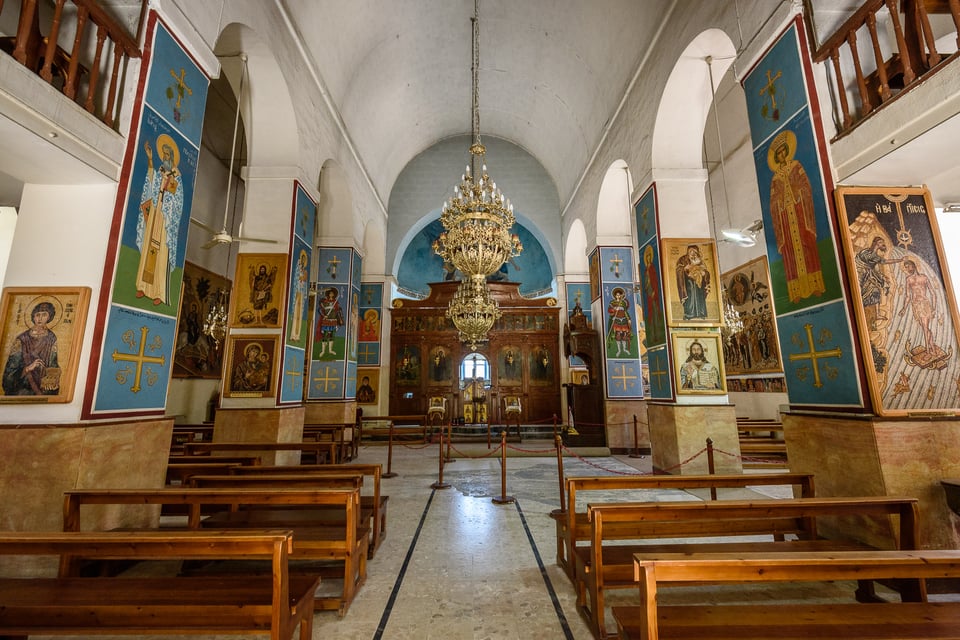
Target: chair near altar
[512,410]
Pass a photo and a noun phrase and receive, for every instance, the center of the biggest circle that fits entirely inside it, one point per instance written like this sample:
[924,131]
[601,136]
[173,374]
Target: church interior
[289,252]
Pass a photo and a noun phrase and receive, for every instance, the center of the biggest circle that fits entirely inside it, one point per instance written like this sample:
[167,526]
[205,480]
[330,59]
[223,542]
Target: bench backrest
[195,499]
[275,546]
[574,485]
[344,480]
[640,520]
[908,567]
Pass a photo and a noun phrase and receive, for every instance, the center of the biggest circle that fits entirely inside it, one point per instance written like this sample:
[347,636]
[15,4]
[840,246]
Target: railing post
[504,498]
[710,467]
[440,484]
[448,458]
[389,472]
[558,514]
[636,442]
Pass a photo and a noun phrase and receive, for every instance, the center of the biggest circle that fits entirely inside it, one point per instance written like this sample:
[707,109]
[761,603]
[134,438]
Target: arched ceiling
[552,74]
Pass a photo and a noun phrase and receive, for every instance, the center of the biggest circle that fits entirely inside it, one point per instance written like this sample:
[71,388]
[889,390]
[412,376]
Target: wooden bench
[411,425]
[151,605]
[341,541]
[179,473]
[913,618]
[574,527]
[333,433]
[372,507]
[183,433]
[608,562]
[316,451]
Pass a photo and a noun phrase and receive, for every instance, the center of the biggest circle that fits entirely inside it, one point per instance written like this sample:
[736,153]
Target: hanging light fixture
[478,217]
[473,311]
[477,222]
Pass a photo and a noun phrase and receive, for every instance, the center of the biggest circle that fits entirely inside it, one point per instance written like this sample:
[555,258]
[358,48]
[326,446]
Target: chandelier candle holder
[477,221]
[473,311]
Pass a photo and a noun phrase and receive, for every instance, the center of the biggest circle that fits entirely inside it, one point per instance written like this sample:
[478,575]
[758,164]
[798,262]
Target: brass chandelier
[477,222]
[473,311]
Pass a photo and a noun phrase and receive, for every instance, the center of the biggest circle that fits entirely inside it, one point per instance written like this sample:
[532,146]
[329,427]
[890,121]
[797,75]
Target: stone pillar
[678,432]
[283,424]
[870,456]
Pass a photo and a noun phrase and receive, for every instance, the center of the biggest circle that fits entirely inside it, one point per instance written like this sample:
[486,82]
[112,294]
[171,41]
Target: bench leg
[306,625]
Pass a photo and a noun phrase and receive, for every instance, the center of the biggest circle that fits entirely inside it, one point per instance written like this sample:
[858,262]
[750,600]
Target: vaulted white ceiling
[552,74]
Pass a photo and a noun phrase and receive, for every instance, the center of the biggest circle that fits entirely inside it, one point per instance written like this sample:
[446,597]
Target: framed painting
[541,366]
[251,365]
[902,298]
[509,365]
[259,287]
[196,354]
[698,363]
[691,273]
[440,369]
[579,376]
[41,335]
[368,391]
[407,368]
[751,344]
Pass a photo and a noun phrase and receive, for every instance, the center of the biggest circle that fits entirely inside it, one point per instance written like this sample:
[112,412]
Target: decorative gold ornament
[473,311]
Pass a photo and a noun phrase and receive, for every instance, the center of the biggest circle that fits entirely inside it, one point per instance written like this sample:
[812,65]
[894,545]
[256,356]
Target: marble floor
[455,564]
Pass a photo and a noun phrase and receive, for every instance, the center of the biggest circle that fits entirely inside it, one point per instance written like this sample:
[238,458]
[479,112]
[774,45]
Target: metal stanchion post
[440,484]
[389,472]
[449,438]
[636,445]
[558,514]
[504,498]
[710,467]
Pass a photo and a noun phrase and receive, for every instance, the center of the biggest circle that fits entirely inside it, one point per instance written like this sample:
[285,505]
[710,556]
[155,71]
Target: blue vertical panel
[794,180]
[152,215]
[621,342]
[291,386]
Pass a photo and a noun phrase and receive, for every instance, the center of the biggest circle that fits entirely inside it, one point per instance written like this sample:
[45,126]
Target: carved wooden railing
[64,69]
[896,71]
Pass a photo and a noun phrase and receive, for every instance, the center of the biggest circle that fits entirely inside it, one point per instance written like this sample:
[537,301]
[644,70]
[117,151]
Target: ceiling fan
[222,236]
[746,237]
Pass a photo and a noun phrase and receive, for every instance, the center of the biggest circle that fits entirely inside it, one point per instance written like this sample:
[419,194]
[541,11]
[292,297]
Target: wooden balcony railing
[896,70]
[77,72]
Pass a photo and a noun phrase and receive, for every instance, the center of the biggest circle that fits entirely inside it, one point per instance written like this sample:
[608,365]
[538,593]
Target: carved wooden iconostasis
[522,355]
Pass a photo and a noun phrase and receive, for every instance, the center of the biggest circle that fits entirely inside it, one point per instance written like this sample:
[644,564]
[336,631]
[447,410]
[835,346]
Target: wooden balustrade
[79,80]
[916,53]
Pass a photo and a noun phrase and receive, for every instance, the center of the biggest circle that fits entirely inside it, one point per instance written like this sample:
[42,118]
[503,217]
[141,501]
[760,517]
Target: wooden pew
[273,603]
[343,540]
[179,473]
[319,451]
[402,426]
[911,619]
[333,433]
[189,433]
[603,566]
[372,507]
[574,527]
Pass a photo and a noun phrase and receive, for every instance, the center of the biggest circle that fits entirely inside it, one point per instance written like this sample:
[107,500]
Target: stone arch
[575,261]
[613,205]
[677,157]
